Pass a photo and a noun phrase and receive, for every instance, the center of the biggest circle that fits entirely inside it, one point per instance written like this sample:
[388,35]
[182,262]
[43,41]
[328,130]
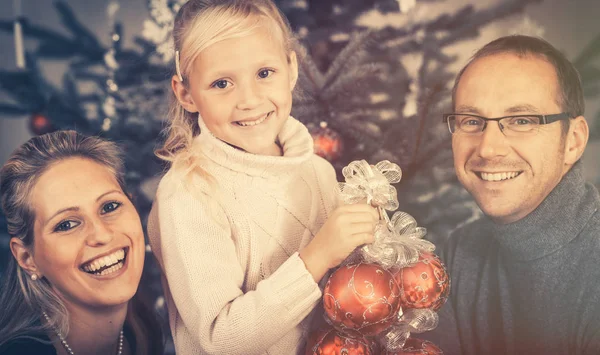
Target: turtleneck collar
[553,224]
[296,142]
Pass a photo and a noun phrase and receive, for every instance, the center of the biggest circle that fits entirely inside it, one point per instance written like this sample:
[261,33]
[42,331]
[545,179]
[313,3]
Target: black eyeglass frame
[544,119]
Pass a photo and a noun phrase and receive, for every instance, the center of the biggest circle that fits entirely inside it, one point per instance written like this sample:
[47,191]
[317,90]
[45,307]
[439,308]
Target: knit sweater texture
[233,279]
[529,287]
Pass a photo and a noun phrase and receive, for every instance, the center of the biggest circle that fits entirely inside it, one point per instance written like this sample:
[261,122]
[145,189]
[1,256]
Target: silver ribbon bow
[397,241]
[364,181]
[412,321]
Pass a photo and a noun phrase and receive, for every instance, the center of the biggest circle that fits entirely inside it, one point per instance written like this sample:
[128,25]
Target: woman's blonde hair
[199,24]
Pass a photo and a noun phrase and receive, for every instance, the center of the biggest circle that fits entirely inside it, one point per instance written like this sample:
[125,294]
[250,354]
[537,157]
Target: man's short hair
[570,96]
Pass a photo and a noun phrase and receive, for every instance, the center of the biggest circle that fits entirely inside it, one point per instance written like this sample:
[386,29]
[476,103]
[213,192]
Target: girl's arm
[202,265]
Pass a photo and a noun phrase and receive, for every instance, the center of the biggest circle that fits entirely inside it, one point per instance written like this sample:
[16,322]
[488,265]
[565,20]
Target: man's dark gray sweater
[530,287]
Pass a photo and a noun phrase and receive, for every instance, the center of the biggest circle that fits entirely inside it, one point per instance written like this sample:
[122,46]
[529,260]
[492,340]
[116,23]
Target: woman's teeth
[499,176]
[106,264]
[253,123]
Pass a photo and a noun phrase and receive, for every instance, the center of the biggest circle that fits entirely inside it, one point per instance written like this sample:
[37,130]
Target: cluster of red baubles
[364,300]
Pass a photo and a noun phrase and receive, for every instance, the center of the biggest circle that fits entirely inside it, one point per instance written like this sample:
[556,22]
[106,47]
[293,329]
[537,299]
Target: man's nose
[493,142]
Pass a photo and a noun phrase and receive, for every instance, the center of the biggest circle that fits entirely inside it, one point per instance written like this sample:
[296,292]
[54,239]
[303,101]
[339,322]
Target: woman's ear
[24,257]
[576,140]
[293,69]
[183,94]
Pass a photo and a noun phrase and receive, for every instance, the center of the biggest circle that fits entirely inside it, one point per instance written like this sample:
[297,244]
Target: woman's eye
[65,226]
[264,73]
[220,84]
[110,207]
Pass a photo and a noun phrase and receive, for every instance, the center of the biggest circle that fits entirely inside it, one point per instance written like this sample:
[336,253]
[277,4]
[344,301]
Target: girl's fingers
[364,238]
[362,218]
[360,228]
[360,208]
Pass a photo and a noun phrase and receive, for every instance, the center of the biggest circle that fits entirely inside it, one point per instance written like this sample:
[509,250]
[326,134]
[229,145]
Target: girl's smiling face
[242,88]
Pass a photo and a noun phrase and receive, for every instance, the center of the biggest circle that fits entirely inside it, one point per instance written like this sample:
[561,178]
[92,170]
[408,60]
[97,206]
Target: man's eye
[110,207]
[526,120]
[523,121]
[471,122]
[220,84]
[65,226]
[265,73]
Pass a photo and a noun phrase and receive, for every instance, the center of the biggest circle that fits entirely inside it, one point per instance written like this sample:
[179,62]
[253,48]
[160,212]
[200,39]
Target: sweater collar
[554,223]
[296,142]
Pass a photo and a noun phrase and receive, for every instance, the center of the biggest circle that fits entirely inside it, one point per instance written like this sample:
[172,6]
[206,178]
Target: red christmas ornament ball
[425,284]
[414,346]
[327,142]
[40,124]
[331,342]
[361,299]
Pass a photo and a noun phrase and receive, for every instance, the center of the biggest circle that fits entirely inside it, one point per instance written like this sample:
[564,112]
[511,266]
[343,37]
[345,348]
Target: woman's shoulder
[27,345]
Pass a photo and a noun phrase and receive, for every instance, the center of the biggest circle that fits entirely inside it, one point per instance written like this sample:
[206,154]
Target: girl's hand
[348,227]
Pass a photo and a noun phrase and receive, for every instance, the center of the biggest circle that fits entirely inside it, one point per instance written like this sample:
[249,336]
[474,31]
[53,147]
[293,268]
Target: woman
[78,250]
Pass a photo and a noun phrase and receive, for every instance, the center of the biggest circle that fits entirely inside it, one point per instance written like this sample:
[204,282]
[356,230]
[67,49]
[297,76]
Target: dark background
[382,97]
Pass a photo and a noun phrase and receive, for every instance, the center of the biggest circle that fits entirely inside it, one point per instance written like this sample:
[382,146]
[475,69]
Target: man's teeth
[106,264]
[253,123]
[499,176]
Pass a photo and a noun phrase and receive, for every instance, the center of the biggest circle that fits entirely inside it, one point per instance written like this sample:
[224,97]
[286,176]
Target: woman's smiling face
[88,238]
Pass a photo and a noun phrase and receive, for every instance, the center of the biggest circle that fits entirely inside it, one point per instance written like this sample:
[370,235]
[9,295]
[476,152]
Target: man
[525,277]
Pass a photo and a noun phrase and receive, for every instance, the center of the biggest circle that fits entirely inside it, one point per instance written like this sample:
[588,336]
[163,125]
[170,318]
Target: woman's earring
[34,277]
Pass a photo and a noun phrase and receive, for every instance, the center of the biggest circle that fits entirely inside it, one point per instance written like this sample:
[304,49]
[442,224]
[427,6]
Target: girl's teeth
[253,123]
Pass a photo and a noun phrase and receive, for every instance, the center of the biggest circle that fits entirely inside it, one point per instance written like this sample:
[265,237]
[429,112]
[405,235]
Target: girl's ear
[24,257]
[183,94]
[293,69]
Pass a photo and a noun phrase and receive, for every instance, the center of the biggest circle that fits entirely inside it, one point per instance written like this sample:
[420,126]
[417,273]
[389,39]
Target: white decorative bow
[412,321]
[364,181]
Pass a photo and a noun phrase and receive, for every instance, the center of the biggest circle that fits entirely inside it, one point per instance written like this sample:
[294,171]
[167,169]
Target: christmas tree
[374,79]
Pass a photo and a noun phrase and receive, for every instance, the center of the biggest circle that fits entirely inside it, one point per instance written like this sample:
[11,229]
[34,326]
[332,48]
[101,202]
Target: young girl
[243,224]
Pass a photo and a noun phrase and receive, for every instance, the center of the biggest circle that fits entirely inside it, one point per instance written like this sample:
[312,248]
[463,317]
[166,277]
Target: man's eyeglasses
[517,125]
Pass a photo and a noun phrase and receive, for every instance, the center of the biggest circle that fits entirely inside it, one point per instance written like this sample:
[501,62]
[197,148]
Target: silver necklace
[68,348]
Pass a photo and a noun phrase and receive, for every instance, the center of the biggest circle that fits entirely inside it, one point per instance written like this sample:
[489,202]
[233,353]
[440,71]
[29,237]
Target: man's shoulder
[593,225]
[588,238]
[588,242]
[474,232]
[466,242]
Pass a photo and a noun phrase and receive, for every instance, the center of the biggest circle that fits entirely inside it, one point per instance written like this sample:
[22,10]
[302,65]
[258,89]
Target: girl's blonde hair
[198,25]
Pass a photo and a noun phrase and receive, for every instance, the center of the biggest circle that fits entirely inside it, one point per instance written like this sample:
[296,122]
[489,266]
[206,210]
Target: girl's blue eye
[221,84]
[65,226]
[264,73]
[110,207]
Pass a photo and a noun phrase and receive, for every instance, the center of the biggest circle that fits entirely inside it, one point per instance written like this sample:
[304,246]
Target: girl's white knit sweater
[233,280]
